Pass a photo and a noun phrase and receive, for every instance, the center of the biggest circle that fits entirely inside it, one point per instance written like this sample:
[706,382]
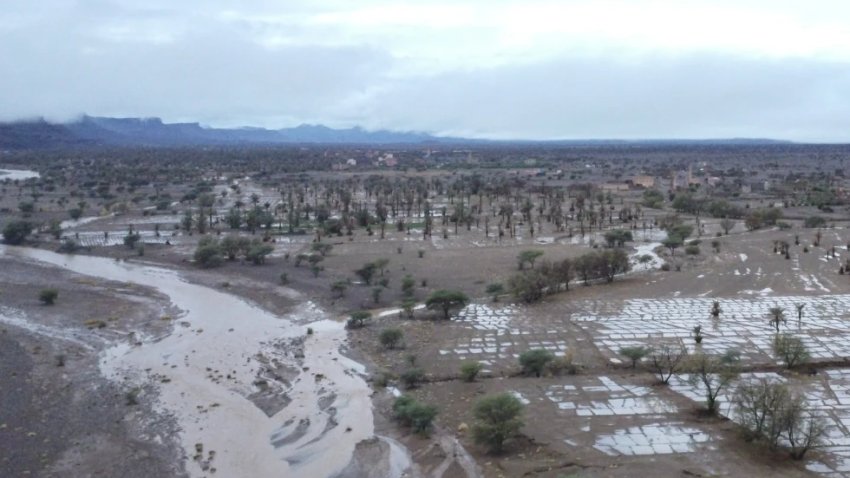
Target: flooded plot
[827,398]
[743,324]
[99,239]
[606,397]
[616,417]
[500,334]
[653,439]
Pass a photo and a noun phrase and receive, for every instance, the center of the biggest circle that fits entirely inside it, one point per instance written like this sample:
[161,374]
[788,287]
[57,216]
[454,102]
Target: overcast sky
[484,68]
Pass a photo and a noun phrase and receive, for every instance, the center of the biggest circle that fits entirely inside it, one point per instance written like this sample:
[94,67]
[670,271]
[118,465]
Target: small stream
[207,368]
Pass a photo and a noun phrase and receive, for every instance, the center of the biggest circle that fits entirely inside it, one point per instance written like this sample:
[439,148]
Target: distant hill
[37,134]
[153,132]
[98,131]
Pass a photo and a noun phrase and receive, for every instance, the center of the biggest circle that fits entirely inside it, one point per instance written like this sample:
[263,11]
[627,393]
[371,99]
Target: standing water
[17,174]
[207,369]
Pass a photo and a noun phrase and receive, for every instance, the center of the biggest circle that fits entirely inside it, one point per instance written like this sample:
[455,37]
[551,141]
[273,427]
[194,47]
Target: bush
[470,370]
[635,353]
[497,420]
[446,300]
[48,296]
[390,338]
[68,246]
[407,286]
[528,257]
[132,397]
[528,286]
[131,239]
[16,232]
[358,319]
[791,350]
[208,253]
[257,253]
[232,245]
[413,414]
[535,361]
[692,250]
[771,412]
[367,272]
[562,365]
[812,222]
[382,380]
[411,378]
[494,290]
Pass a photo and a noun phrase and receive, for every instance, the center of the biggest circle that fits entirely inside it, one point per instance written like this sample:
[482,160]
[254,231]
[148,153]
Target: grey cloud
[213,76]
[695,96]
[64,63]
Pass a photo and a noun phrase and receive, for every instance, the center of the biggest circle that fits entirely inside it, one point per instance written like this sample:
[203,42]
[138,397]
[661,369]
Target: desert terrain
[163,354]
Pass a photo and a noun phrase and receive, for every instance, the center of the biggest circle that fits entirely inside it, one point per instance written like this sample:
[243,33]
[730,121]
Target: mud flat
[251,393]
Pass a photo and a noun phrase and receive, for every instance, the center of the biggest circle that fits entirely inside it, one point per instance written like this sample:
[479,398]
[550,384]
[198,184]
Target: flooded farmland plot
[743,324]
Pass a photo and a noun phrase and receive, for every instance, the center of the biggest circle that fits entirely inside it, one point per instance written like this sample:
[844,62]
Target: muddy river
[209,371]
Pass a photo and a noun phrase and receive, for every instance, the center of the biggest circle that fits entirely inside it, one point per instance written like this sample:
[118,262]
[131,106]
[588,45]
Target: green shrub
[208,253]
[257,253]
[390,338]
[413,414]
[635,353]
[16,232]
[411,378]
[358,319]
[48,296]
[535,361]
[470,370]
[497,420]
[562,365]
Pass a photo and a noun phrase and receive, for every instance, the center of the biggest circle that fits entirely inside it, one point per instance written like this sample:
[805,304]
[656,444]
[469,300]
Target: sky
[502,69]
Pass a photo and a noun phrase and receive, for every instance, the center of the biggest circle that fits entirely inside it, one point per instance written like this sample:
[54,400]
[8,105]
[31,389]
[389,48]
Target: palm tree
[777,314]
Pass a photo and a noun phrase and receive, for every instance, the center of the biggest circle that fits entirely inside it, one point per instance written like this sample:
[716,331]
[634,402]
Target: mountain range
[91,131]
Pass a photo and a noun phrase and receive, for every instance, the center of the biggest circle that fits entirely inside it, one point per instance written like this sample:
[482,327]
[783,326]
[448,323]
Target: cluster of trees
[762,218]
[551,277]
[719,208]
[768,410]
[211,251]
[676,234]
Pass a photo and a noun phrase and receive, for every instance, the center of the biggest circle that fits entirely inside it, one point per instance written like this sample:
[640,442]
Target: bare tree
[714,373]
[727,225]
[758,404]
[667,360]
[791,350]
